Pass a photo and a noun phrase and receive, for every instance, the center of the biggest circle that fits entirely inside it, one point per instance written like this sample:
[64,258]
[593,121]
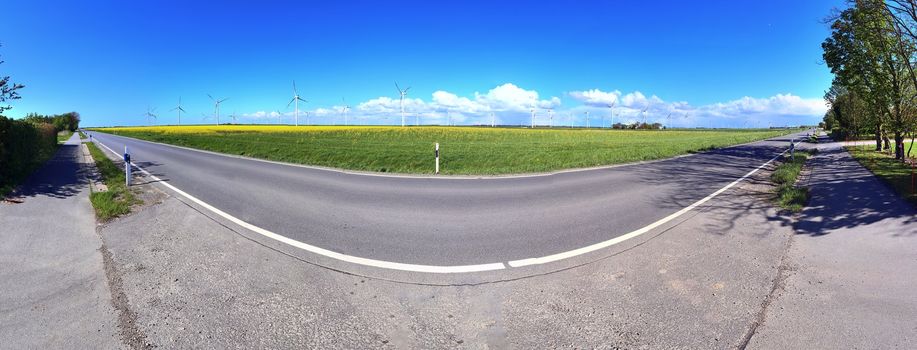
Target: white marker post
[127,167]
[792,150]
[436,153]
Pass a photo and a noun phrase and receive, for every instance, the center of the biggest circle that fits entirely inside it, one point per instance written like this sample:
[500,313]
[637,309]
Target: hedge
[23,147]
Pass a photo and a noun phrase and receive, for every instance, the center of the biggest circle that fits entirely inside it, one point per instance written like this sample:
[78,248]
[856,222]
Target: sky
[687,64]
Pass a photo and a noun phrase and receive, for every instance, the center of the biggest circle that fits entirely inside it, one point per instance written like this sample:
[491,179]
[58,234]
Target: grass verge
[895,173]
[118,199]
[82,135]
[63,136]
[463,150]
[789,196]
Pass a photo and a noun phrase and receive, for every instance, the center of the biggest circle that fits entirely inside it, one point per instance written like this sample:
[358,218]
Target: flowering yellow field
[464,150]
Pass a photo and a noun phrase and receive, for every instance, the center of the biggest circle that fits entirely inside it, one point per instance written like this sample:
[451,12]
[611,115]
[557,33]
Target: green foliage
[69,121]
[789,196]
[118,199]
[464,150]
[23,147]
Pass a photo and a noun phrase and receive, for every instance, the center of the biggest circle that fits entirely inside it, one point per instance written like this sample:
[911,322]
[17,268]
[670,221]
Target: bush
[23,147]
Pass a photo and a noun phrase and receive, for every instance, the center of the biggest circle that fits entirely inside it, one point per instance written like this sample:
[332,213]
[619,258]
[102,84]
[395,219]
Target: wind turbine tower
[179,109]
[216,106]
[401,95]
[551,116]
[587,119]
[295,102]
[611,109]
[493,120]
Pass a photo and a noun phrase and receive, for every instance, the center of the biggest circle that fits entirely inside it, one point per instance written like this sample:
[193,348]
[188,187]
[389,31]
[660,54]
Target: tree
[867,58]
[8,92]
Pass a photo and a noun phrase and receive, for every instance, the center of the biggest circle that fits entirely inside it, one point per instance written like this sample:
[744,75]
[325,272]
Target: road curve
[446,221]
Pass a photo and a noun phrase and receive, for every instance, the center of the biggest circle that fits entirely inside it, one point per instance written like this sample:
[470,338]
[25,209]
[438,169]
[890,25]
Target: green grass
[893,172]
[118,199]
[789,196]
[463,150]
[63,136]
[82,135]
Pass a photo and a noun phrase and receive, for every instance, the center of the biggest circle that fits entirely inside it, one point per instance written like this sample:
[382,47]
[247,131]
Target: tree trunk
[911,146]
[899,145]
[878,138]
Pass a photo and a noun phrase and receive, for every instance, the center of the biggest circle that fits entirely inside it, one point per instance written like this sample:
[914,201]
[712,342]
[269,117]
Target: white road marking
[444,269]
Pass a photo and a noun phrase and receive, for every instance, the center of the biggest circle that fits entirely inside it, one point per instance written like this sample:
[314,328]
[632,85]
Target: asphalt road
[446,221]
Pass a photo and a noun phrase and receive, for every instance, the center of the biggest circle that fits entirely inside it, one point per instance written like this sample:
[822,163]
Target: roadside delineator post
[436,154]
[792,150]
[127,167]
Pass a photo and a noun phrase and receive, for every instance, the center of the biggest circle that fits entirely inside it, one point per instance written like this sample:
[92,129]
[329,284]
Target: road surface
[446,221]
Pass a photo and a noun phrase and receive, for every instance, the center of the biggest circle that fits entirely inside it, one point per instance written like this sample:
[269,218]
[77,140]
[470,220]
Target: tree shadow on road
[845,195]
[700,175]
[60,177]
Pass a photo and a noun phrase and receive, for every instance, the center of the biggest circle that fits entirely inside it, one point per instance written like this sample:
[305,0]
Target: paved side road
[53,289]
[851,281]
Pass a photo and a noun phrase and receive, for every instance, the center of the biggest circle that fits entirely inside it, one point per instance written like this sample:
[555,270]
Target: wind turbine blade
[211,97]
[398,87]
[181,109]
[294,88]
[291,102]
[221,101]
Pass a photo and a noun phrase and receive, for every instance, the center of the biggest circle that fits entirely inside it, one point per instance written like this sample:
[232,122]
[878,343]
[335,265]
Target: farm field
[463,150]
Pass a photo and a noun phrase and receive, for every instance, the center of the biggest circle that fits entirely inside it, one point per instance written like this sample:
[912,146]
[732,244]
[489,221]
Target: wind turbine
[668,121]
[533,118]
[216,106]
[233,116]
[344,110]
[611,109]
[493,120]
[551,116]
[295,102]
[587,119]
[149,114]
[179,109]
[402,94]
[644,115]
[204,117]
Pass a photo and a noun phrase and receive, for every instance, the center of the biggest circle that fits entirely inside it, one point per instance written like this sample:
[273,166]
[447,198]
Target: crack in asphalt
[779,285]
[130,333]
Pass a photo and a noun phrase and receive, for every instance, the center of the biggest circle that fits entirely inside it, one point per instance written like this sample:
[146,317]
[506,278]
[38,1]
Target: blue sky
[706,63]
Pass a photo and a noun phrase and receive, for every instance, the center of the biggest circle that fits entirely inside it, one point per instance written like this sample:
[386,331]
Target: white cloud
[781,109]
[596,97]
[512,104]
